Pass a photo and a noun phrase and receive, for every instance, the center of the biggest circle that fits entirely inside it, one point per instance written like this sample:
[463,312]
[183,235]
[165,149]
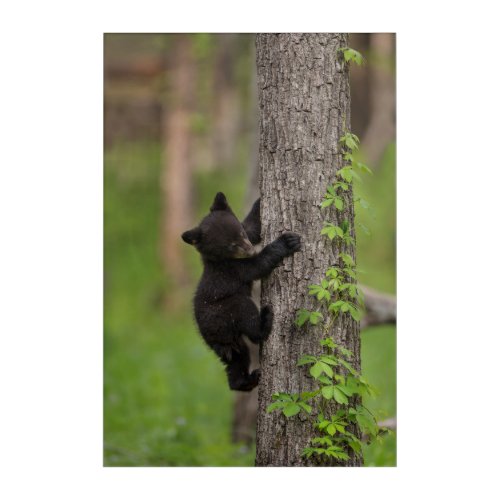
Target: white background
[51,249]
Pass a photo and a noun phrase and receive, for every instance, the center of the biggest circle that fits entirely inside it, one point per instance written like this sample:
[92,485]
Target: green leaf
[316,370]
[331,429]
[351,143]
[364,168]
[291,410]
[339,204]
[339,396]
[348,260]
[307,408]
[326,368]
[335,306]
[349,272]
[355,445]
[305,396]
[283,396]
[325,440]
[302,316]
[328,342]
[314,289]
[352,55]
[315,318]
[346,352]
[306,359]
[347,365]
[327,391]
[346,390]
[338,454]
[275,406]
[340,428]
[346,173]
[356,176]
[323,424]
[327,202]
[355,313]
[367,423]
[330,360]
[324,379]
[332,272]
[335,283]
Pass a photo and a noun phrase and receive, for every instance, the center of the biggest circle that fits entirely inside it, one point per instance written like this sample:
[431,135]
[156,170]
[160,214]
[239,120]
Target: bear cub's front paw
[291,242]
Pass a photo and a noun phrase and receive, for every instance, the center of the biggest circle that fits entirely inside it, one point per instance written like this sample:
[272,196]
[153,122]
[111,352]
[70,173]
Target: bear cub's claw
[291,241]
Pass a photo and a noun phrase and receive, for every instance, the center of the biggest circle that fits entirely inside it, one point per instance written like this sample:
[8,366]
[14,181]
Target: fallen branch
[380,308]
[390,423]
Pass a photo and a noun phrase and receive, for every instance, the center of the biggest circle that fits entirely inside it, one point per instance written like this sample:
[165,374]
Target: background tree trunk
[381,129]
[304,99]
[176,179]
[226,105]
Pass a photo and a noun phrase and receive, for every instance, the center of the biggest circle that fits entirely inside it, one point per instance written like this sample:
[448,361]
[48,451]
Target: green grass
[166,400]
[376,256]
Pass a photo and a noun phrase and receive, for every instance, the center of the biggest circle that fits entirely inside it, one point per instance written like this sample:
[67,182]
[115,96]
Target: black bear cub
[223,307]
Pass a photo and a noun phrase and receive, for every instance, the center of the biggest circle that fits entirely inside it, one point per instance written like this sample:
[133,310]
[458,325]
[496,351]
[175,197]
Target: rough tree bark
[304,101]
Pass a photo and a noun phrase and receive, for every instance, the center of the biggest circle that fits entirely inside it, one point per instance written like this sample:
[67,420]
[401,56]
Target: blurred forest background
[181,123]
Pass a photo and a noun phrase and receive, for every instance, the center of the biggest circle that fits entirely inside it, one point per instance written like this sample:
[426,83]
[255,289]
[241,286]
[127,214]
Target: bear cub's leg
[266,321]
[257,327]
[237,369]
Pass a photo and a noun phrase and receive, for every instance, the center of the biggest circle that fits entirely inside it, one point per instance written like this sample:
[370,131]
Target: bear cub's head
[220,234]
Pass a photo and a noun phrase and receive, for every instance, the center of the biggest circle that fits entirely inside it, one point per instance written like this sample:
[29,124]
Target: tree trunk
[226,105]
[359,82]
[176,179]
[381,129]
[304,102]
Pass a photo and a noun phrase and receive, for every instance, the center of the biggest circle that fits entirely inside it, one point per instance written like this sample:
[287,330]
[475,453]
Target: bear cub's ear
[220,203]
[192,236]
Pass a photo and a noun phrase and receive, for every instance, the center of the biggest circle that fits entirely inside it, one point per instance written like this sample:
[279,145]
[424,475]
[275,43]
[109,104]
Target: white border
[51,207]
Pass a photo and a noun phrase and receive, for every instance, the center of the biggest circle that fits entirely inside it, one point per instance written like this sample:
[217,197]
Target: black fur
[223,307]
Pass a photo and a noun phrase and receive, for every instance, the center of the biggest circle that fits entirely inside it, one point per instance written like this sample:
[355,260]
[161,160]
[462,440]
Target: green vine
[337,294]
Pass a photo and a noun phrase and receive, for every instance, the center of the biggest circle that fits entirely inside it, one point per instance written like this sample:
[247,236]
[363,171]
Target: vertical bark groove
[304,99]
